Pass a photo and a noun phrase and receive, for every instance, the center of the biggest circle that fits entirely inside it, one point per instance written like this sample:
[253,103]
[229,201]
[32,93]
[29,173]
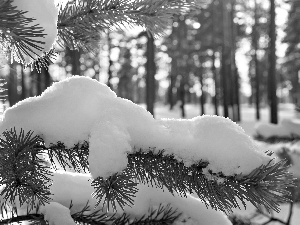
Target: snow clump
[82,109]
[287,128]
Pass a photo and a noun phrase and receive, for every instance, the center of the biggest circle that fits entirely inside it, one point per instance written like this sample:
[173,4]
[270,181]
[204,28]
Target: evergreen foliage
[80,23]
[27,177]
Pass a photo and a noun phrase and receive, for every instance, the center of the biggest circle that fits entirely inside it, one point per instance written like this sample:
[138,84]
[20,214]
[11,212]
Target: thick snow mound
[286,128]
[45,14]
[80,108]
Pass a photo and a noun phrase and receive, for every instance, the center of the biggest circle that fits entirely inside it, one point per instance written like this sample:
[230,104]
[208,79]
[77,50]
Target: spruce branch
[23,173]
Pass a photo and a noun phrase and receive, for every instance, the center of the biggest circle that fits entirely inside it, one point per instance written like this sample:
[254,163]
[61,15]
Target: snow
[80,108]
[45,14]
[57,214]
[285,111]
[77,188]
[286,128]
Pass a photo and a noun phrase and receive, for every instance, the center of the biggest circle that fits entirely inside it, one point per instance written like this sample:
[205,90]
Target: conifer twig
[18,37]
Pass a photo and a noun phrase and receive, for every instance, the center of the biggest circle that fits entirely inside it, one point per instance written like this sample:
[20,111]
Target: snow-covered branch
[125,149]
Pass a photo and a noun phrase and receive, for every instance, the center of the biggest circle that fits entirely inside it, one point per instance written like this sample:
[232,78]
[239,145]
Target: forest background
[221,55]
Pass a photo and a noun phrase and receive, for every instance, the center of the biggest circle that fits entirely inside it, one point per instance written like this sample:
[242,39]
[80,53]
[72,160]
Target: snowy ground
[248,123]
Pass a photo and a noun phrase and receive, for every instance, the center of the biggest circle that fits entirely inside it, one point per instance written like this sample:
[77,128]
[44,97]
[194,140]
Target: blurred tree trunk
[12,84]
[38,77]
[150,74]
[234,73]
[110,62]
[202,97]
[73,58]
[225,57]
[174,64]
[272,87]
[172,77]
[182,97]
[24,89]
[257,75]
[48,80]
[213,58]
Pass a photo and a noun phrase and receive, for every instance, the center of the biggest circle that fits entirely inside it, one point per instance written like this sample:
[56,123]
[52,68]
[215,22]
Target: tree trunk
[38,77]
[172,77]
[182,97]
[150,75]
[257,75]
[73,58]
[272,66]
[213,59]
[233,68]
[24,89]
[224,69]
[12,84]
[110,62]
[202,97]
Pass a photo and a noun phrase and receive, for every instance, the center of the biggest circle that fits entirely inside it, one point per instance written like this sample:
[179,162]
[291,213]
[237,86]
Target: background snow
[287,127]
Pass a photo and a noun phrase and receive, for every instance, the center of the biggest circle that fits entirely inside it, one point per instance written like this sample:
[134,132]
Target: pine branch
[44,61]
[75,158]
[18,38]
[22,171]
[79,22]
[264,186]
[164,214]
[118,188]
